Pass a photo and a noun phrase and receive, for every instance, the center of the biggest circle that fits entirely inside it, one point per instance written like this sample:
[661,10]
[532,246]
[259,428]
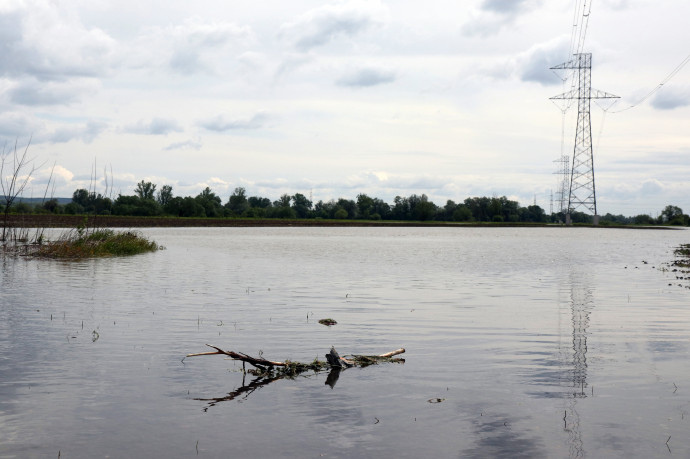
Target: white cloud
[535,63]
[195,46]
[191,144]
[38,39]
[157,126]
[494,15]
[368,76]
[82,132]
[330,22]
[669,98]
[221,123]
[30,91]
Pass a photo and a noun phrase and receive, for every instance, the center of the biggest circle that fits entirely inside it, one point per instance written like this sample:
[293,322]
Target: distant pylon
[582,192]
[563,183]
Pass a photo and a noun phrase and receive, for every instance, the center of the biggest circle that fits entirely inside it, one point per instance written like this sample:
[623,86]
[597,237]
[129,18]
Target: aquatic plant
[98,243]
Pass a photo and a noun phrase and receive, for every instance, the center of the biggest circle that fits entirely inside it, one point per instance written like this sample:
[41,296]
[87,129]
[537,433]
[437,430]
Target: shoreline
[111,221]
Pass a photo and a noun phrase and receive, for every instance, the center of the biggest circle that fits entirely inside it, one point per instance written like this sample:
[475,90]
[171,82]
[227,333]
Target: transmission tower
[582,192]
[563,172]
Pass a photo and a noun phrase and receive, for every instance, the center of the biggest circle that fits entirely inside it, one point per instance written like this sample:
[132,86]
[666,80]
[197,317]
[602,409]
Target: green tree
[238,202]
[164,195]
[421,209]
[134,205]
[259,202]
[210,202]
[349,206]
[401,208]
[283,201]
[365,206]
[672,215]
[462,214]
[145,190]
[81,197]
[643,219]
[301,205]
[185,207]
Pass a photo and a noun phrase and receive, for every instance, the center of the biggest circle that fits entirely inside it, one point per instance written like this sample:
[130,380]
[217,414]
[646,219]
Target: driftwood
[288,368]
[267,371]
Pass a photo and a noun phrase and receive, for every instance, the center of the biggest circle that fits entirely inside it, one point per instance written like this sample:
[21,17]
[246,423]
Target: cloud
[493,15]
[157,126]
[33,92]
[326,23]
[221,124]
[535,63]
[38,39]
[15,125]
[507,7]
[85,133]
[188,48]
[56,175]
[670,98]
[365,77]
[193,144]
[617,4]
[651,186]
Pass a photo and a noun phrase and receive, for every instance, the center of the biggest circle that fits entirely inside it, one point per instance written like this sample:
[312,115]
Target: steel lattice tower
[582,191]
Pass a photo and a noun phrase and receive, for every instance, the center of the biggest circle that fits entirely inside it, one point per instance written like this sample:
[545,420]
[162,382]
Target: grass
[683,252]
[98,243]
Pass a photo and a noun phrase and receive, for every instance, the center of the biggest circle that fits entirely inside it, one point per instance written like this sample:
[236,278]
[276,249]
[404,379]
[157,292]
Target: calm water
[543,342]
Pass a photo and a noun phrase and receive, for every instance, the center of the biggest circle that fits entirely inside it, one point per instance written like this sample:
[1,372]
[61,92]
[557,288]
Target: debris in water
[327,322]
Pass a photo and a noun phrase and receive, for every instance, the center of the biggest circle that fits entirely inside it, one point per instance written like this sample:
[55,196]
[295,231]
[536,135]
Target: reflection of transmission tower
[582,192]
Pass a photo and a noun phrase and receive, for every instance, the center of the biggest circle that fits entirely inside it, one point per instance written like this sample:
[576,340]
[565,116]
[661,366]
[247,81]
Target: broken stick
[293,368]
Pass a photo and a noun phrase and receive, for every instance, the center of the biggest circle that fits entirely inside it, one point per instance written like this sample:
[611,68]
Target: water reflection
[581,305]
[248,388]
[243,392]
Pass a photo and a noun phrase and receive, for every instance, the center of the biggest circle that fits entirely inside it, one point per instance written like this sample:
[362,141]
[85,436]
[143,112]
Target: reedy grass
[98,243]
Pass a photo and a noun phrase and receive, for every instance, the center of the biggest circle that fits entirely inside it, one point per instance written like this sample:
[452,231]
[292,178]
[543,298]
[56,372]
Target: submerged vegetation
[682,256]
[78,244]
[98,243]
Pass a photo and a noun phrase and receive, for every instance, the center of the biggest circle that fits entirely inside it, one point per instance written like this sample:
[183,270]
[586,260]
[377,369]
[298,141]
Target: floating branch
[289,368]
[267,371]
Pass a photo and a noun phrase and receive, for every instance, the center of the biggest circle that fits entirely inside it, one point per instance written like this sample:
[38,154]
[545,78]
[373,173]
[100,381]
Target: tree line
[148,200]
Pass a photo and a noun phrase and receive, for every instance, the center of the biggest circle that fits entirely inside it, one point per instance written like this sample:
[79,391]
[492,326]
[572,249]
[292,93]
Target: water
[521,342]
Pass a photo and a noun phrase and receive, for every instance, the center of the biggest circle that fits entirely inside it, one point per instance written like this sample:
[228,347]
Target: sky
[337,98]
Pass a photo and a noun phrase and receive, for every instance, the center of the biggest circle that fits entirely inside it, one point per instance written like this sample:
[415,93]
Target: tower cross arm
[575,94]
[566,95]
[571,64]
[596,94]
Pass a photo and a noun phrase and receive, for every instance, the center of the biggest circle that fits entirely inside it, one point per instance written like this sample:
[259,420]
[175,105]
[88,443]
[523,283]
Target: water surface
[521,342]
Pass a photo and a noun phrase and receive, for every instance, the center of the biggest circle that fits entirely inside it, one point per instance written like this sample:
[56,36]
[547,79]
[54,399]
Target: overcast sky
[332,99]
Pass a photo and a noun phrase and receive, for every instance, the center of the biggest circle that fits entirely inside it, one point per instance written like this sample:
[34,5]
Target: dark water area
[521,342]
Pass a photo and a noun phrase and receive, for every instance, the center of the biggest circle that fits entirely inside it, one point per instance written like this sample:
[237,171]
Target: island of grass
[79,244]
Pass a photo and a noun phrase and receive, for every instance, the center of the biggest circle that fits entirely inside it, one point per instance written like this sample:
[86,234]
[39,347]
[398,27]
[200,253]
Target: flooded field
[521,342]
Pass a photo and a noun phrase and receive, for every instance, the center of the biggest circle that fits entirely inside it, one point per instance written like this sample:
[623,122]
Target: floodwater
[521,342]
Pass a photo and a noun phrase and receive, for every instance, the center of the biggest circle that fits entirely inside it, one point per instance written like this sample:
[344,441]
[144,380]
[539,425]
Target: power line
[659,86]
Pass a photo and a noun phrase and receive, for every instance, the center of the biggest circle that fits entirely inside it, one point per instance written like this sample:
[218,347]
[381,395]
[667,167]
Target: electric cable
[659,86]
